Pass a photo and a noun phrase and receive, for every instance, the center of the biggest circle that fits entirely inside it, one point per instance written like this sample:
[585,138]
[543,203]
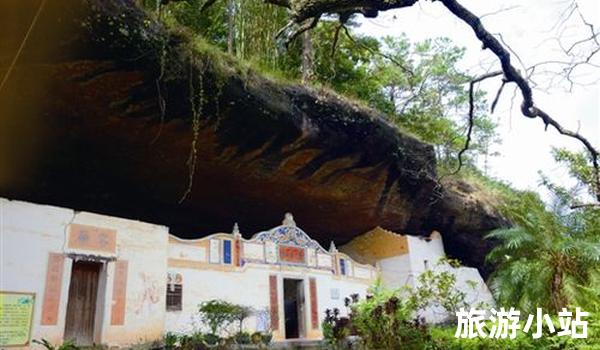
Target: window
[174,296]
[226,251]
[342,266]
[174,291]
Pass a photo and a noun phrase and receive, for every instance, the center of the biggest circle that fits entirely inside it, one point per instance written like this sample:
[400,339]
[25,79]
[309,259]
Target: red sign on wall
[54,276]
[291,254]
[92,238]
[117,316]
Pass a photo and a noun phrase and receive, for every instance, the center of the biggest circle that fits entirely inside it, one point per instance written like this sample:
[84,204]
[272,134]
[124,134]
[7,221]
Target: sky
[529,27]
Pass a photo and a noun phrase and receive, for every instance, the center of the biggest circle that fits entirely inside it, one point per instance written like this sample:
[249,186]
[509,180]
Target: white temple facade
[117,282]
[105,280]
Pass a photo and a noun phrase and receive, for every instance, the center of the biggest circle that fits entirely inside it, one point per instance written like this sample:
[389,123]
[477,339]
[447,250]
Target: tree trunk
[230,25]
[558,299]
[308,53]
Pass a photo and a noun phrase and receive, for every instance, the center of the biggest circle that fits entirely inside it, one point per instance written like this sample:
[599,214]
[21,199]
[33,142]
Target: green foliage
[267,338]
[349,70]
[417,85]
[242,338]
[579,167]
[194,341]
[66,345]
[212,338]
[437,288]
[390,319]
[218,314]
[253,32]
[431,95]
[543,261]
[170,340]
[384,321]
[335,328]
[443,338]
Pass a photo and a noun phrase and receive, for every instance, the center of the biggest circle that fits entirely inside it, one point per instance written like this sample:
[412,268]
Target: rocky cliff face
[108,112]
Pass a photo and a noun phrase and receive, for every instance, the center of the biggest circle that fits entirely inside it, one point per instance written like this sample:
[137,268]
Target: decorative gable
[289,236]
[285,244]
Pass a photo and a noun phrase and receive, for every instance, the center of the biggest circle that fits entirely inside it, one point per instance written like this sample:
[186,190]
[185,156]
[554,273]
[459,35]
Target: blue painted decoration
[227,252]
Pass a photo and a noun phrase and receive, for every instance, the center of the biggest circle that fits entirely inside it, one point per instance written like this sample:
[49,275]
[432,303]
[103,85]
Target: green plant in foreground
[170,340]
[217,314]
[66,345]
[543,261]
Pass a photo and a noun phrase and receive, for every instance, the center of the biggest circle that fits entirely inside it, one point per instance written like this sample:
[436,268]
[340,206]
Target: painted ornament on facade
[291,254]
[287,235]
[149,297]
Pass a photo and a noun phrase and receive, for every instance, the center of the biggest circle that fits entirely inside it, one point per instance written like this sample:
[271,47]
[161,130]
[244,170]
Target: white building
[113,281]
[402,258]
[106,280]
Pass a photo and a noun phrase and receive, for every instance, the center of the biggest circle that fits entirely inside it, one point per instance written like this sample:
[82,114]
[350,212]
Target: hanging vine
[162,104]
[196,102]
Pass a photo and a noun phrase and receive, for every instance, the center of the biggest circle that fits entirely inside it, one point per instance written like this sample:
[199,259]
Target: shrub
[212,339]
[443,338]
[217,314]
[383,321]
[170,340]
[66,345]
[259,338]
[437,288]
[256,338]
[195,341]
[267,338]
[335,328]
[242,338]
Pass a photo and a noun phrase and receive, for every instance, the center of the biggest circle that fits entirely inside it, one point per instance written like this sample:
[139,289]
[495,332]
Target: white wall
[403,270]
[144,246]
[396,272]
[29,232]
[250,287]
[470,281]
[421,249]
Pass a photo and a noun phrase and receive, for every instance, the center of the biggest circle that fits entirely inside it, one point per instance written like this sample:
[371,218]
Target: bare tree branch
[472,115]
[388,57]
[511,74]
[497,98]
[504,9]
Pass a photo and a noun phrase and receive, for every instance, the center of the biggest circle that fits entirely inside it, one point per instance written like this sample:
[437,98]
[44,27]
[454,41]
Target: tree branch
[472,115]
[511,74]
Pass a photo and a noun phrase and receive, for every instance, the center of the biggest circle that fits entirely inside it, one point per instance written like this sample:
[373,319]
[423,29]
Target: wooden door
[81,306]
[290,303]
